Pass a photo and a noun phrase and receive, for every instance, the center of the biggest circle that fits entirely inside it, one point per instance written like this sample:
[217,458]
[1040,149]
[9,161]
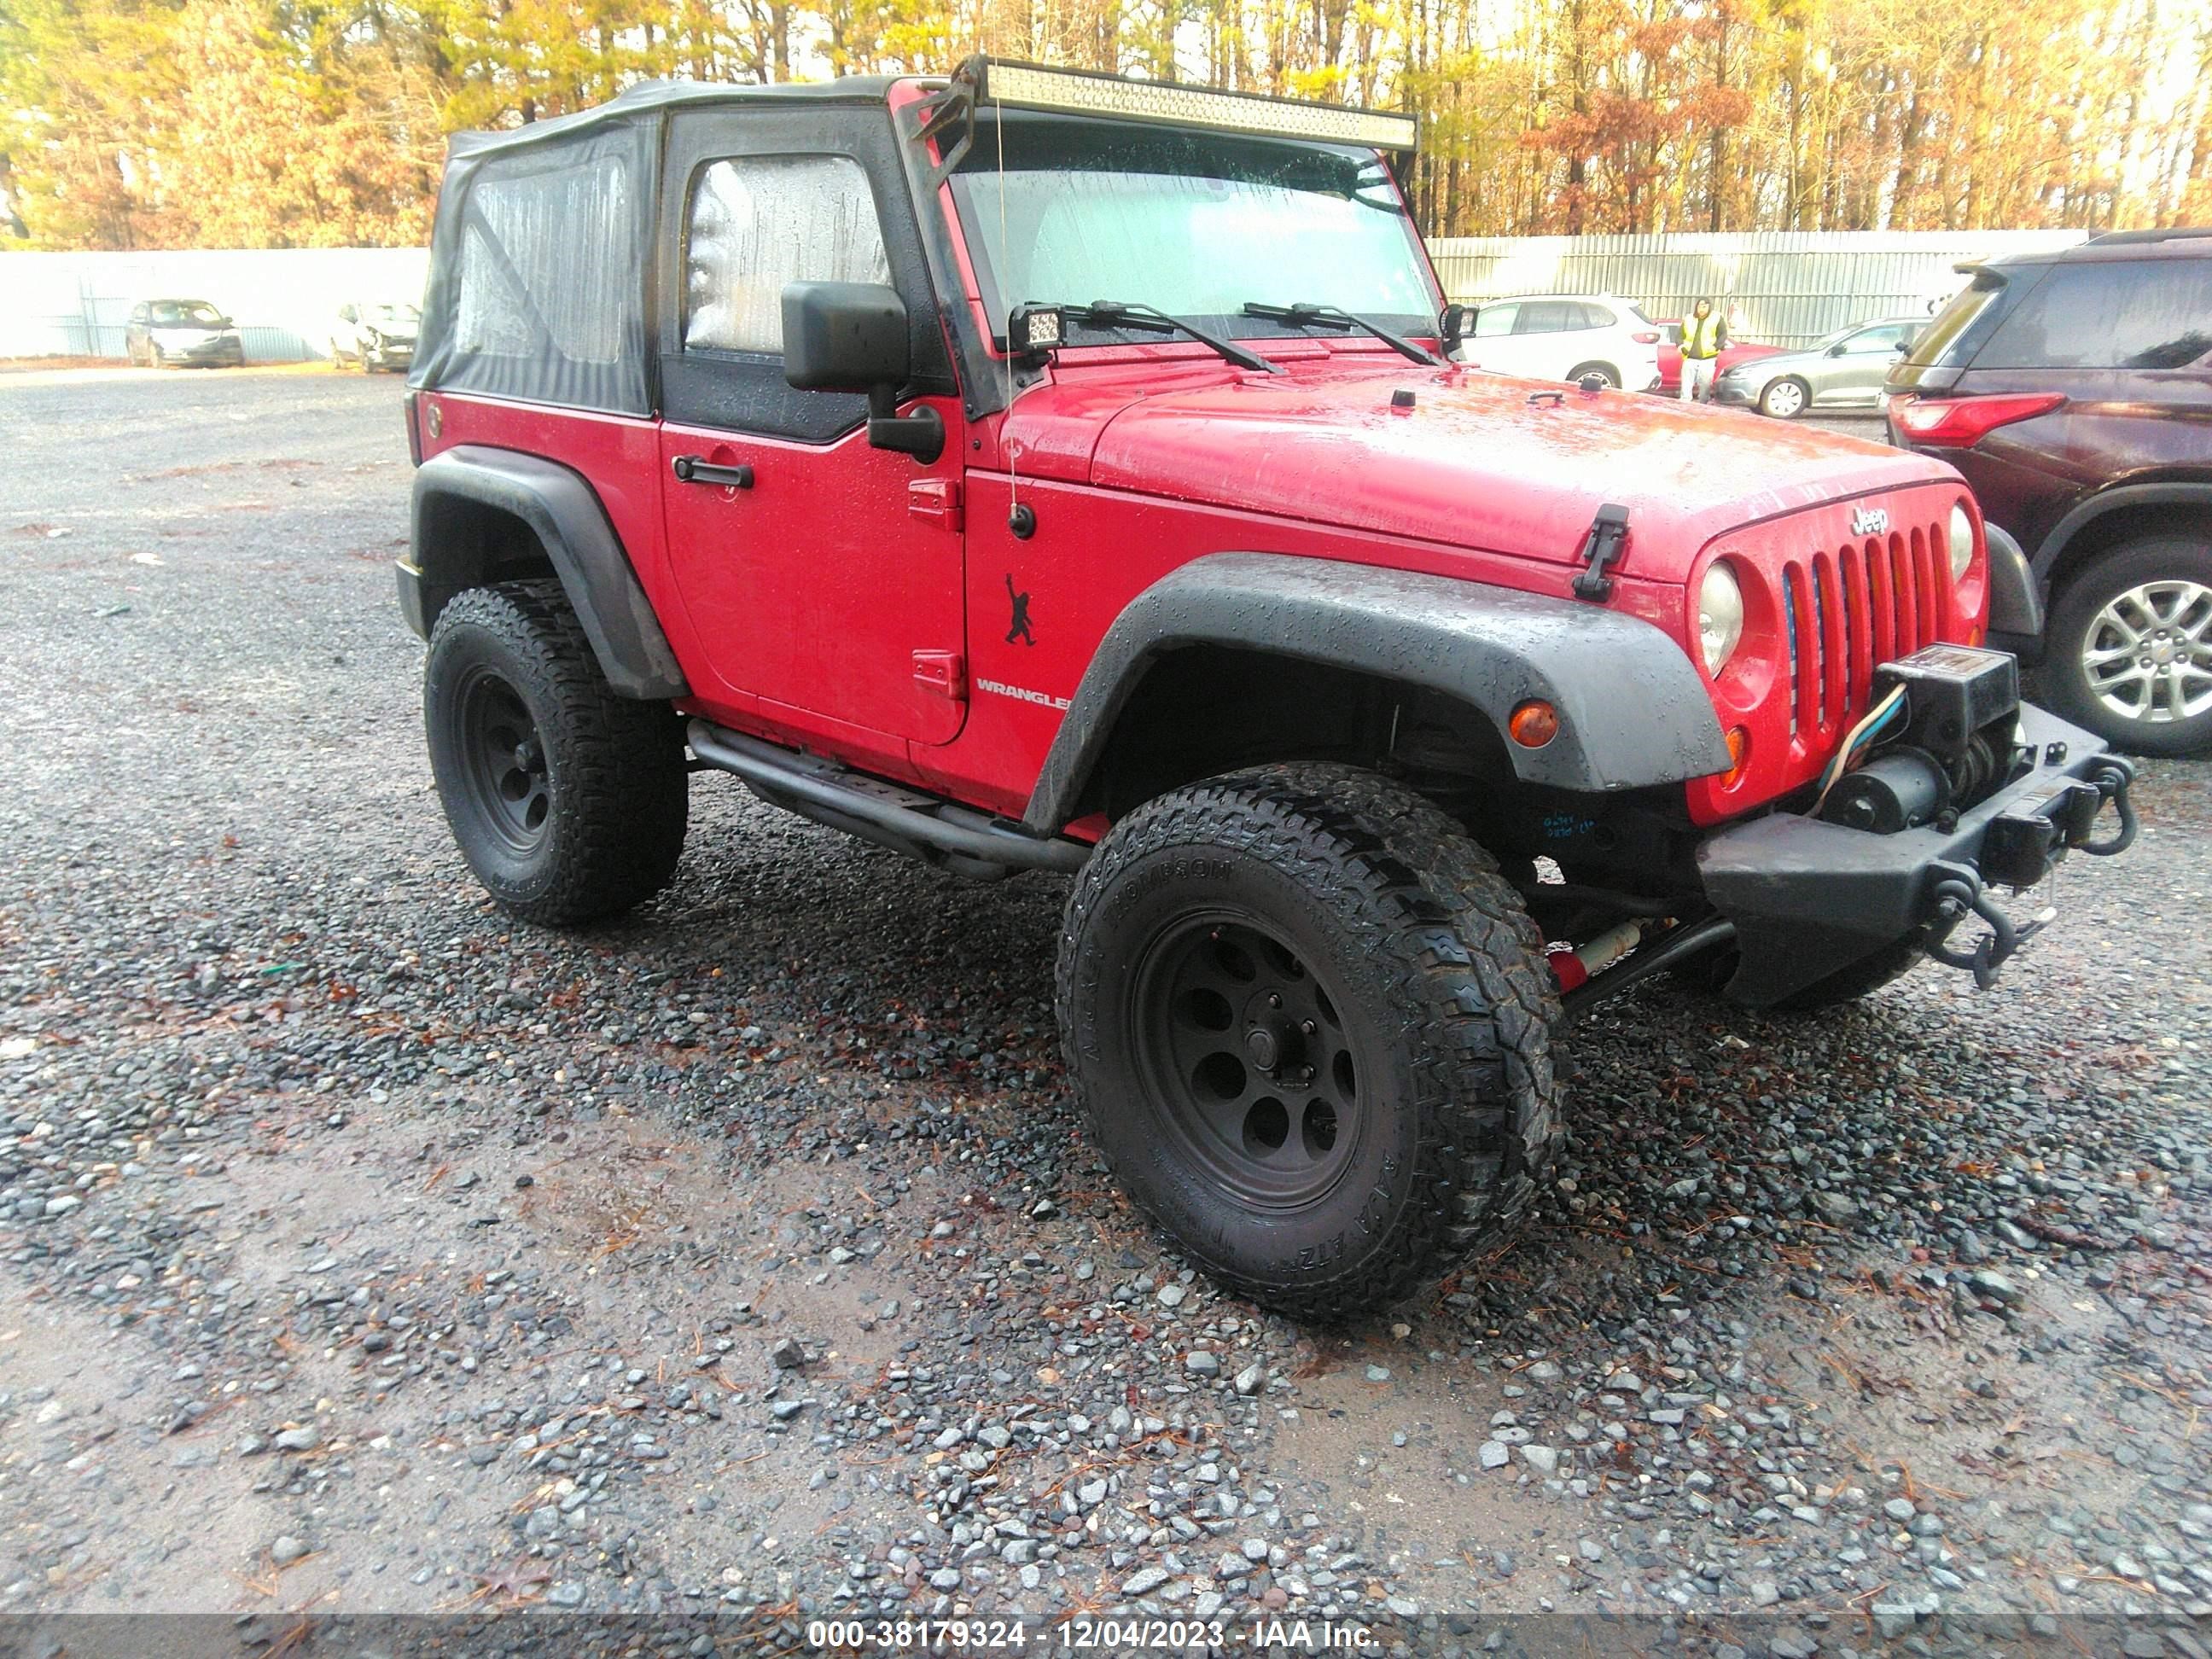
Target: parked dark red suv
[2074,390]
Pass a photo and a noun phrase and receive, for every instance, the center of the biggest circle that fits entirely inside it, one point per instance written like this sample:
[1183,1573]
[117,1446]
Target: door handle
[697,469]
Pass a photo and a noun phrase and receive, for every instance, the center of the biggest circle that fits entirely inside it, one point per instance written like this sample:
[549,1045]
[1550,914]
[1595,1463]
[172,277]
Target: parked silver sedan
[1844,371]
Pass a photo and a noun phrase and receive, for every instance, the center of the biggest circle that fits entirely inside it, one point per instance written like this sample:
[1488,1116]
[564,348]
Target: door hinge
[1606,541]
[937,499]
[942,673]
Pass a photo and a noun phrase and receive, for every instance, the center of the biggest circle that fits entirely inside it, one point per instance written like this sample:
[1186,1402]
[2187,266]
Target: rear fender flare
[564,512]
[2174,492]
[1634,711]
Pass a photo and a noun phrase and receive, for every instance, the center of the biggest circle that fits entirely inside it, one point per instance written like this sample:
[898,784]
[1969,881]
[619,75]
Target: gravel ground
[366,1252]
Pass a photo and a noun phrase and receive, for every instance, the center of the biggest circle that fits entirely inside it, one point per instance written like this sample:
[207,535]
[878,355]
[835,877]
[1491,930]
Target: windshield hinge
[1607,542]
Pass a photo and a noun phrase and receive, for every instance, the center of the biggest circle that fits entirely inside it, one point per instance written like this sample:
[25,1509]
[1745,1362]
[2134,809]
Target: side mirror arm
[919,432]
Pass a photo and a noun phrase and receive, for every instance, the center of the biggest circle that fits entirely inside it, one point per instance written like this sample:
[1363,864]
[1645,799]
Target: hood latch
[1606,541]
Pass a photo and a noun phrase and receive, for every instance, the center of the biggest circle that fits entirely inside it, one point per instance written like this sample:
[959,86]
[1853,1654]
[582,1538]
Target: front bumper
[1736,394]
[1808,898]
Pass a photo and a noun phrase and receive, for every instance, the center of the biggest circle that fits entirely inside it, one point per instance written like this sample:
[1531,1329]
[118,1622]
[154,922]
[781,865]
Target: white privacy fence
[75,305]
[1789,288]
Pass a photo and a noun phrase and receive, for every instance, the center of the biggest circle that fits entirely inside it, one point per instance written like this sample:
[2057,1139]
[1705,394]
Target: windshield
[1194,224]
[392,316]
[185,313]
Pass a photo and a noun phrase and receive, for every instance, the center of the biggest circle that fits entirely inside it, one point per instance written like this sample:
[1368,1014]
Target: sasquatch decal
[1019,628]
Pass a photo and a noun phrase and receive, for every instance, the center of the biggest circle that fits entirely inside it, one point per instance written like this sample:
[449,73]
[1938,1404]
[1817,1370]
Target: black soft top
[648,97]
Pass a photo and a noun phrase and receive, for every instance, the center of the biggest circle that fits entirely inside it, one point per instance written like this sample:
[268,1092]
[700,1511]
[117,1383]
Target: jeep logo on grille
[1869,520]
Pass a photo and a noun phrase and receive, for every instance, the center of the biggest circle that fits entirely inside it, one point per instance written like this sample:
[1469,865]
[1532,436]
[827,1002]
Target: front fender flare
[564,512]
[1633,710]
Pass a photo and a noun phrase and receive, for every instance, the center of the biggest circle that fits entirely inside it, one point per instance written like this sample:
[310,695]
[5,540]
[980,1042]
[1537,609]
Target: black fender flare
[2170,492]
[564,512]
[1634,711]
[2015,597]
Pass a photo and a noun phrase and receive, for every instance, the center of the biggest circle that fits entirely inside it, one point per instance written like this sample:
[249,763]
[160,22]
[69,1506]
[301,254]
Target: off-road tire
[614,781]
[2177,555]
[1442,971]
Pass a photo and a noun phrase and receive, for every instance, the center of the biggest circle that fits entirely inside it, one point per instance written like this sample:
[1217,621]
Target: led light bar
[1084,91]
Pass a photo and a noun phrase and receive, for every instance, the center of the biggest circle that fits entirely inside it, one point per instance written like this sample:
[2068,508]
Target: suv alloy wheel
[2130,646]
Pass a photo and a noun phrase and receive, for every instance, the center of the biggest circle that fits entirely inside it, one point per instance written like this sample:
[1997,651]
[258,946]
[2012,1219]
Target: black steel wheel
[1309,1026]
[1252,1062]
[503,760]
[569,802]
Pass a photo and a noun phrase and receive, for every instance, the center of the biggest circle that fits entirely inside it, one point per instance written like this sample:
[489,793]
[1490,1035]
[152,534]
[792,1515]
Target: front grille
[1847,611]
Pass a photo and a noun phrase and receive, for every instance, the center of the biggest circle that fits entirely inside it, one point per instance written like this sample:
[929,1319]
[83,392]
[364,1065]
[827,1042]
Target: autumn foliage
[285,123]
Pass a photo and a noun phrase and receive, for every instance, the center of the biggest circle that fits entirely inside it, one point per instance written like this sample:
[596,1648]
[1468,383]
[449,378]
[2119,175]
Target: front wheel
[569,802]
[2129,651]
[1785,399]
[1308,1024]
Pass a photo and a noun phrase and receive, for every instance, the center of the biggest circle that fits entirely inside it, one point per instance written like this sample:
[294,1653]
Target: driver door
[826,588]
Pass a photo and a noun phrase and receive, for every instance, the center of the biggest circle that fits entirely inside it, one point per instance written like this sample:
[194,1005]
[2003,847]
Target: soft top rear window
[537,271]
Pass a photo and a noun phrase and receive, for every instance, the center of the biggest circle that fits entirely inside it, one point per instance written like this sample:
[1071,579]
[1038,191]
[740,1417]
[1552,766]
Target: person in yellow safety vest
[1703,336]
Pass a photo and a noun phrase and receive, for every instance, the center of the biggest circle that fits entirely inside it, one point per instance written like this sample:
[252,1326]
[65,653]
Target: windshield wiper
[1310,316]
[1116,313]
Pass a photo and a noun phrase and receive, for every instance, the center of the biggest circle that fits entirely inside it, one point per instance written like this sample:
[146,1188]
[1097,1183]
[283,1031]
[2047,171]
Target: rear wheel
[1308,1029]
[2129,649]
[1605,372]
[1785,399]
[569,802]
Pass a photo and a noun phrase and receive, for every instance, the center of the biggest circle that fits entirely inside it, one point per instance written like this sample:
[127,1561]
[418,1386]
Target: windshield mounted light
[1720,616]
[1034,330]
[1085,91]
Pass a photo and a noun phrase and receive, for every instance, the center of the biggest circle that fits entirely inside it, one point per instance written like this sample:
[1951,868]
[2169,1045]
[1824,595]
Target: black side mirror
[1839,347]
[1455,324]
[851,337]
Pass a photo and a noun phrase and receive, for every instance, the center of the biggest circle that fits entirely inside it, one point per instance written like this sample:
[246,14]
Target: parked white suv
[1564,337]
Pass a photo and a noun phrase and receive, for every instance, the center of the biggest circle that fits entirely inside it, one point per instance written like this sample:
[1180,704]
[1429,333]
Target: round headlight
[1962,542]
[1720,616]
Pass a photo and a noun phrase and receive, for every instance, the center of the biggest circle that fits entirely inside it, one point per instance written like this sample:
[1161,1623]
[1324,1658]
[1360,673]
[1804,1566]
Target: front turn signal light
[1534,724]
[1738,747]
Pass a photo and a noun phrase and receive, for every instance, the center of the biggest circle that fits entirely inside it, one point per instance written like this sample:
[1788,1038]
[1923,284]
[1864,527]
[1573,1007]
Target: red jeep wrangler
[1037,470]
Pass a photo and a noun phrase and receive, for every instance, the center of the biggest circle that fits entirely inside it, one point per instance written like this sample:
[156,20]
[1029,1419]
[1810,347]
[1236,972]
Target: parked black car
[2074,390]
[181,332]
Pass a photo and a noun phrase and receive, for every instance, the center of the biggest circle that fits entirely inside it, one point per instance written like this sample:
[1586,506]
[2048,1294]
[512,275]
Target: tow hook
[1959,896]
[2112,776]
